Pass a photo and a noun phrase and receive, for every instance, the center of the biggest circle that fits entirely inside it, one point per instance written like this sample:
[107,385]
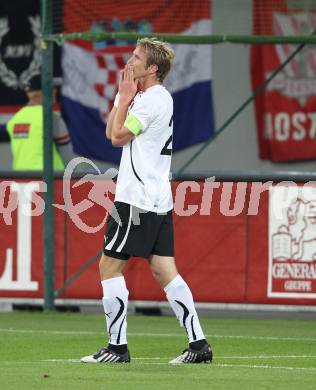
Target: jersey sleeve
[140,115]
[61,135]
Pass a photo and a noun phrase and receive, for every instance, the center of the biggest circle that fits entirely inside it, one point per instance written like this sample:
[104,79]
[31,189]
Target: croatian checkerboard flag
[91,70]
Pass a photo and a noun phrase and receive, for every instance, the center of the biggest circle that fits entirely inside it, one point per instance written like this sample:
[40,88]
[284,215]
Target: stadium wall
[228,246]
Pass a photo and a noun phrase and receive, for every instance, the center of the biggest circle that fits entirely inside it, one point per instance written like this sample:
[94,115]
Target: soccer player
[141,121]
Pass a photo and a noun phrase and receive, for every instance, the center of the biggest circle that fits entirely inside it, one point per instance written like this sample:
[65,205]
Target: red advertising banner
[292,242]
[232,243]
[285,111]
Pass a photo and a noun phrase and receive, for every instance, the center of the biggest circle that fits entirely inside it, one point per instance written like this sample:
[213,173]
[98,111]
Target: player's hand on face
[127,84]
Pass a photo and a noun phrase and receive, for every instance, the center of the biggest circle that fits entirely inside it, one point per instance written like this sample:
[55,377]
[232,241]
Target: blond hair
[158,53]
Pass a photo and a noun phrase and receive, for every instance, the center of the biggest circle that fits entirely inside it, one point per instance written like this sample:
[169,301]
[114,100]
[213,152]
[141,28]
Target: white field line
[269,357]
[267,367]
[288,368]
[217,358]
[79,361]
[136,334]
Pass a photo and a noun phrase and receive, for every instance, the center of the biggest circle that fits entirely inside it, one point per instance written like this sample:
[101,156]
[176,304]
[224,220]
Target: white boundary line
[146,361]
[217,358]
[268,357]
[132,334]
[253,366]
[267,367]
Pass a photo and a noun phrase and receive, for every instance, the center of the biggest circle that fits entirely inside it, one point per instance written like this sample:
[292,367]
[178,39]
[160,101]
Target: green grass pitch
[42,351]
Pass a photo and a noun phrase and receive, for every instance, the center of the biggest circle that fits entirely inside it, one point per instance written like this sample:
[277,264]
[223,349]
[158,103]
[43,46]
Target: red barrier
[224,258]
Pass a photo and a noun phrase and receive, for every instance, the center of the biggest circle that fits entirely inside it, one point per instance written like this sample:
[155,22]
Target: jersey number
[165,151]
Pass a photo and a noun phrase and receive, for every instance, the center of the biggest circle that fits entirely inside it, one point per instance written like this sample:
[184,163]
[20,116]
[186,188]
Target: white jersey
[143,178]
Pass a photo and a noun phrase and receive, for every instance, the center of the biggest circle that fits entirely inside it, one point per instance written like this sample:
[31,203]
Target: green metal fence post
[48,175]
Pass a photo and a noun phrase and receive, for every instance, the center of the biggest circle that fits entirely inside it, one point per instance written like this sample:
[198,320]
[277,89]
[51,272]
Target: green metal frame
[48,173]
[48,39]
[185,39]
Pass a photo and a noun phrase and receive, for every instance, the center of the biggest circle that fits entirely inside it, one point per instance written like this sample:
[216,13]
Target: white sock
[115,298]
[180,298]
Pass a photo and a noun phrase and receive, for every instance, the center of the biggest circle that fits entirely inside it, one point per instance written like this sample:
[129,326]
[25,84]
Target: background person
[26,132]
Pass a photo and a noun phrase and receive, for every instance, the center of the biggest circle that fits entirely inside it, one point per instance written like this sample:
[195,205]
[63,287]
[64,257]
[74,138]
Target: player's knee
[162,276]
[101,266]
[157,274]
[110,268]
[104,268]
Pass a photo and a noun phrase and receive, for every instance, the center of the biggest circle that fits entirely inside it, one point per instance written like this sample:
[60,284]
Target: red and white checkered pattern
[91,77]
[110,64]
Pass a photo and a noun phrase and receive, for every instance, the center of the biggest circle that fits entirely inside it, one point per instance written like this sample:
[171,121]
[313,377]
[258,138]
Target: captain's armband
[133,124]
